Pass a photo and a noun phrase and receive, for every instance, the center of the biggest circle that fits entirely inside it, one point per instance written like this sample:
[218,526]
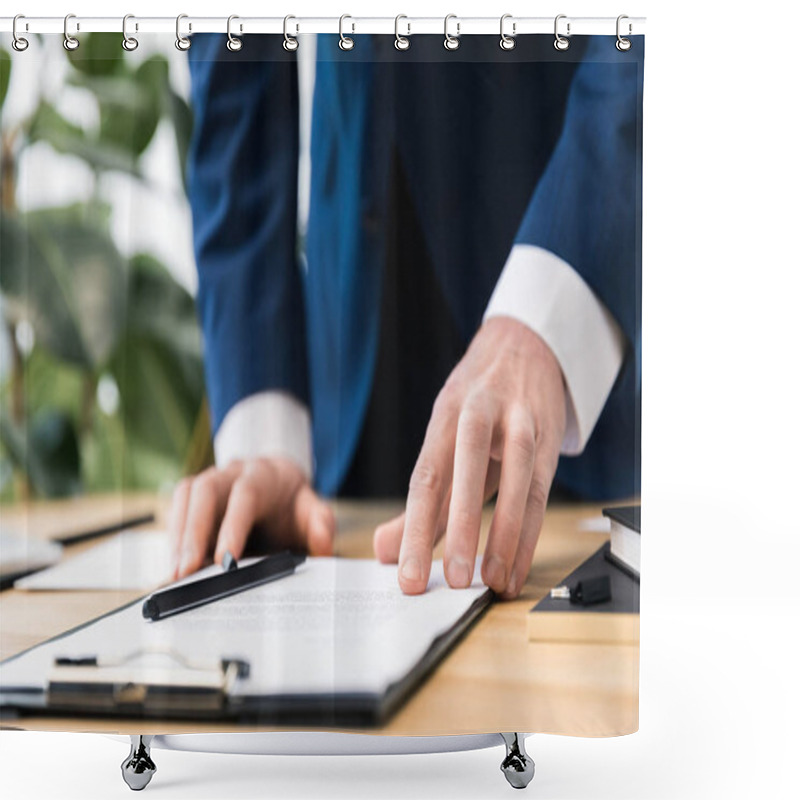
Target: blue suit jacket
[530,146]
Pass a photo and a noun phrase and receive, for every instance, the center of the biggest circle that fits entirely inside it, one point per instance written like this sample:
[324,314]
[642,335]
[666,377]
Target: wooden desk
[494,680]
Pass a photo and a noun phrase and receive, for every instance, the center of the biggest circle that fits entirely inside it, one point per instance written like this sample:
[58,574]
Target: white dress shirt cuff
[544,292]
[266,425]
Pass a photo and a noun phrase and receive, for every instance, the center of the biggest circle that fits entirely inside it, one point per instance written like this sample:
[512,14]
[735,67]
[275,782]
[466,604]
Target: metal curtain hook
[233,44]
[623,44]
[182,42]
[401,42]
[129,43]
[507,42]
[561,42]
[345,42]
[290,44]
[451,42]
[19,43]
[70,42]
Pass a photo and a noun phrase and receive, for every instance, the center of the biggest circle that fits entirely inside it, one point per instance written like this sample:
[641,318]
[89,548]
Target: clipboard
[164,683]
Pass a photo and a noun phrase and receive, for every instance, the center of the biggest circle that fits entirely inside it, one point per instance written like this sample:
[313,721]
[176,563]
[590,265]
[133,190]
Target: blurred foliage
[5,74]
[99,321]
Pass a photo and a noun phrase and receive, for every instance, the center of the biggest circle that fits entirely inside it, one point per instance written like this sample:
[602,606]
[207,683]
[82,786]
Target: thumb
[314,522]
[387,538]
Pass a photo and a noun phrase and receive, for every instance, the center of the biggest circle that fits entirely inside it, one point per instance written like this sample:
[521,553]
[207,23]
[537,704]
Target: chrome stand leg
[138,768]
[517,766]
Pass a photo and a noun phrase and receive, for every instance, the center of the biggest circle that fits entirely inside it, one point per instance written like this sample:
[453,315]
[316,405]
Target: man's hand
[498,423]
[223,506]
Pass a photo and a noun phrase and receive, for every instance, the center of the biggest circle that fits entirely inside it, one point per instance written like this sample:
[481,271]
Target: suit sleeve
[574,271]
[243,194]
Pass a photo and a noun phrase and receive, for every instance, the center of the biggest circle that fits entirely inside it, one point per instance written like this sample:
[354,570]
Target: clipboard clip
[146,681]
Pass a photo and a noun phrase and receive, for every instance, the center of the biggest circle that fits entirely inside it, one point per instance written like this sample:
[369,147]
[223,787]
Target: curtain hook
[623,44]
[70,42]
[182,42]
[451,42]
[290,44]
[19,43]
[345,42]
[401,42]
[129,43]
[507,42]
[561,42]
[233,44]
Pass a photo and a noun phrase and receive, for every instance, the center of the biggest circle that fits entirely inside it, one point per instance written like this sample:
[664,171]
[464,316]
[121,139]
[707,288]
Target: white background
[720,604]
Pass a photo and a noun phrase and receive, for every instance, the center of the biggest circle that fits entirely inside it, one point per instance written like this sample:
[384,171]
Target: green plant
[81,318]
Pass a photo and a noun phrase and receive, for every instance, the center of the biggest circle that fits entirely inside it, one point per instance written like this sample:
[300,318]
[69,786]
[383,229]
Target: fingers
[177,520]
[207,497]
[269,492]
[543,470]
[387,539]
[524,483]
[428,488]
[314,521]
[471,461]
[444,467]
[389,535]
[246,505]
[504,402]
[512,499]
[273,492]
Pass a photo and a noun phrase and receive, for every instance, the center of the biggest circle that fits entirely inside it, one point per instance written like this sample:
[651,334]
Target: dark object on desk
[207,590]
[95,533]
[591,591]
[21,555]
[586,592]
[615,620]
[626,539]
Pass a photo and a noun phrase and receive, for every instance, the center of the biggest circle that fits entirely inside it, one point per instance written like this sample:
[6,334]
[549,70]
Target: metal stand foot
[138,768]
[517,766]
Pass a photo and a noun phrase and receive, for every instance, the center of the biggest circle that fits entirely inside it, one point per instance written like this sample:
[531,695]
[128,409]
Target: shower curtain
[362,296]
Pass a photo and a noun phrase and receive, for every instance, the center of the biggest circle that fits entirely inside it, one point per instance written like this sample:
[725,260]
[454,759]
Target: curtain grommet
[129,43]
[290,43]
[561,43]
[19,43]
[346,42]
[70,42]
[507,42]
[182,42]
[623,44]
[233,44]
[401,43]
[451,42]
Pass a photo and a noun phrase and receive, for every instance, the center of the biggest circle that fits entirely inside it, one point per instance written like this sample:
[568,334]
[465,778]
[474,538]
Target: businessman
[469,307]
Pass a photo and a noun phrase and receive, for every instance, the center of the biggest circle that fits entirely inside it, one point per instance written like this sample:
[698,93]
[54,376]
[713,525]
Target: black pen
[232,580]
[104,530]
